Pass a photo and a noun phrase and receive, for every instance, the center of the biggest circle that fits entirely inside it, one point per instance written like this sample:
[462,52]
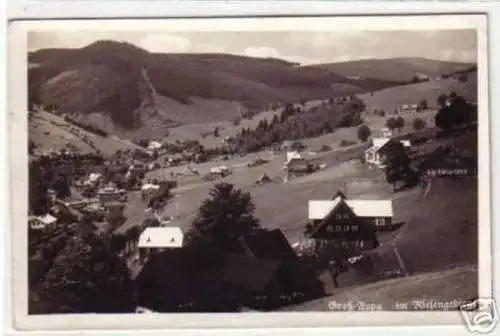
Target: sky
[305,47]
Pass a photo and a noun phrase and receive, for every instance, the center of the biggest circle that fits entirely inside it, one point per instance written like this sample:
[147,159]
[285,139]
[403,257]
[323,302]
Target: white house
[158,239]
[41,222]
[375,155]
[408,108]
[154,145]
[220,170]
[111,194]
[149,189]
[292,155]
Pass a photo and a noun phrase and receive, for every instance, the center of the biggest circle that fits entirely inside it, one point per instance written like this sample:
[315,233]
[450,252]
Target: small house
[376,154]
[298,166]
[158,239]
[137,168]
[292,155]
[149,189]
[408,108]
[154,146]
[221,171]
[43,222]
[111,194]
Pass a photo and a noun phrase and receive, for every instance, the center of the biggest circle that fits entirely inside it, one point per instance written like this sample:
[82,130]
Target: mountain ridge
[104,84]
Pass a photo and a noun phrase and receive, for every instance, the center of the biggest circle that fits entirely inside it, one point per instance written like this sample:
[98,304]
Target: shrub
[347,143]
[364,133]
[418,124]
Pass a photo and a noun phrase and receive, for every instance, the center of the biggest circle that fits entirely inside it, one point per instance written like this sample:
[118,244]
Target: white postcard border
[17,119]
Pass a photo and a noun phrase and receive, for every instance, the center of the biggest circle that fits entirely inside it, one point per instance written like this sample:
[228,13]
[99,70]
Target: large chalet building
[349,222]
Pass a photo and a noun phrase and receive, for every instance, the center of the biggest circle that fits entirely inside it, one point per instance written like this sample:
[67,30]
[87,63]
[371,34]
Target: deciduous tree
[86,277]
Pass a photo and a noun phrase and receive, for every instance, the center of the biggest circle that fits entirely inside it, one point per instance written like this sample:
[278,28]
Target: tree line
[294,124]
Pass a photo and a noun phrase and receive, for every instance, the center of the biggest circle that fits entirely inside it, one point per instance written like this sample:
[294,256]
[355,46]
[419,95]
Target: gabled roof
[160,237]
[335,203]
[319,209]
[371,208]
[380,142]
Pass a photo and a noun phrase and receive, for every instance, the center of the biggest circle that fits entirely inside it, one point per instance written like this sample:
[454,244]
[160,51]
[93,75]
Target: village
[322,211]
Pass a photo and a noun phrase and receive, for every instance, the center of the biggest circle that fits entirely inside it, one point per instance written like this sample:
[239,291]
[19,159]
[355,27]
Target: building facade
[351,223]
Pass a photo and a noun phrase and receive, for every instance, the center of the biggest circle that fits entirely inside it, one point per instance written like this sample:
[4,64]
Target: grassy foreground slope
[452,287]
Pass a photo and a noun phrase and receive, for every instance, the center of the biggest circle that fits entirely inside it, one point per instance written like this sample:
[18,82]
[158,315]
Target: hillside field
[395,69]
[387,99]
[51,132]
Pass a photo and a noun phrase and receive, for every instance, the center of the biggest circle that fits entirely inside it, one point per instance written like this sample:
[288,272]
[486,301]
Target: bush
[423,105]
[364,133]
[418,124]
[346,143]
[325,148]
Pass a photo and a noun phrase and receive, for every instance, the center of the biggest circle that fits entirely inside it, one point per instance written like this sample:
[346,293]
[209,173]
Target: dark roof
[268,244]
[185,279]
[248,272]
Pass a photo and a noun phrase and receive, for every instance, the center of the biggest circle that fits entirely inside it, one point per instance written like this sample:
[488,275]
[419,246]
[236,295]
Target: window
[379,221]
[342,216]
